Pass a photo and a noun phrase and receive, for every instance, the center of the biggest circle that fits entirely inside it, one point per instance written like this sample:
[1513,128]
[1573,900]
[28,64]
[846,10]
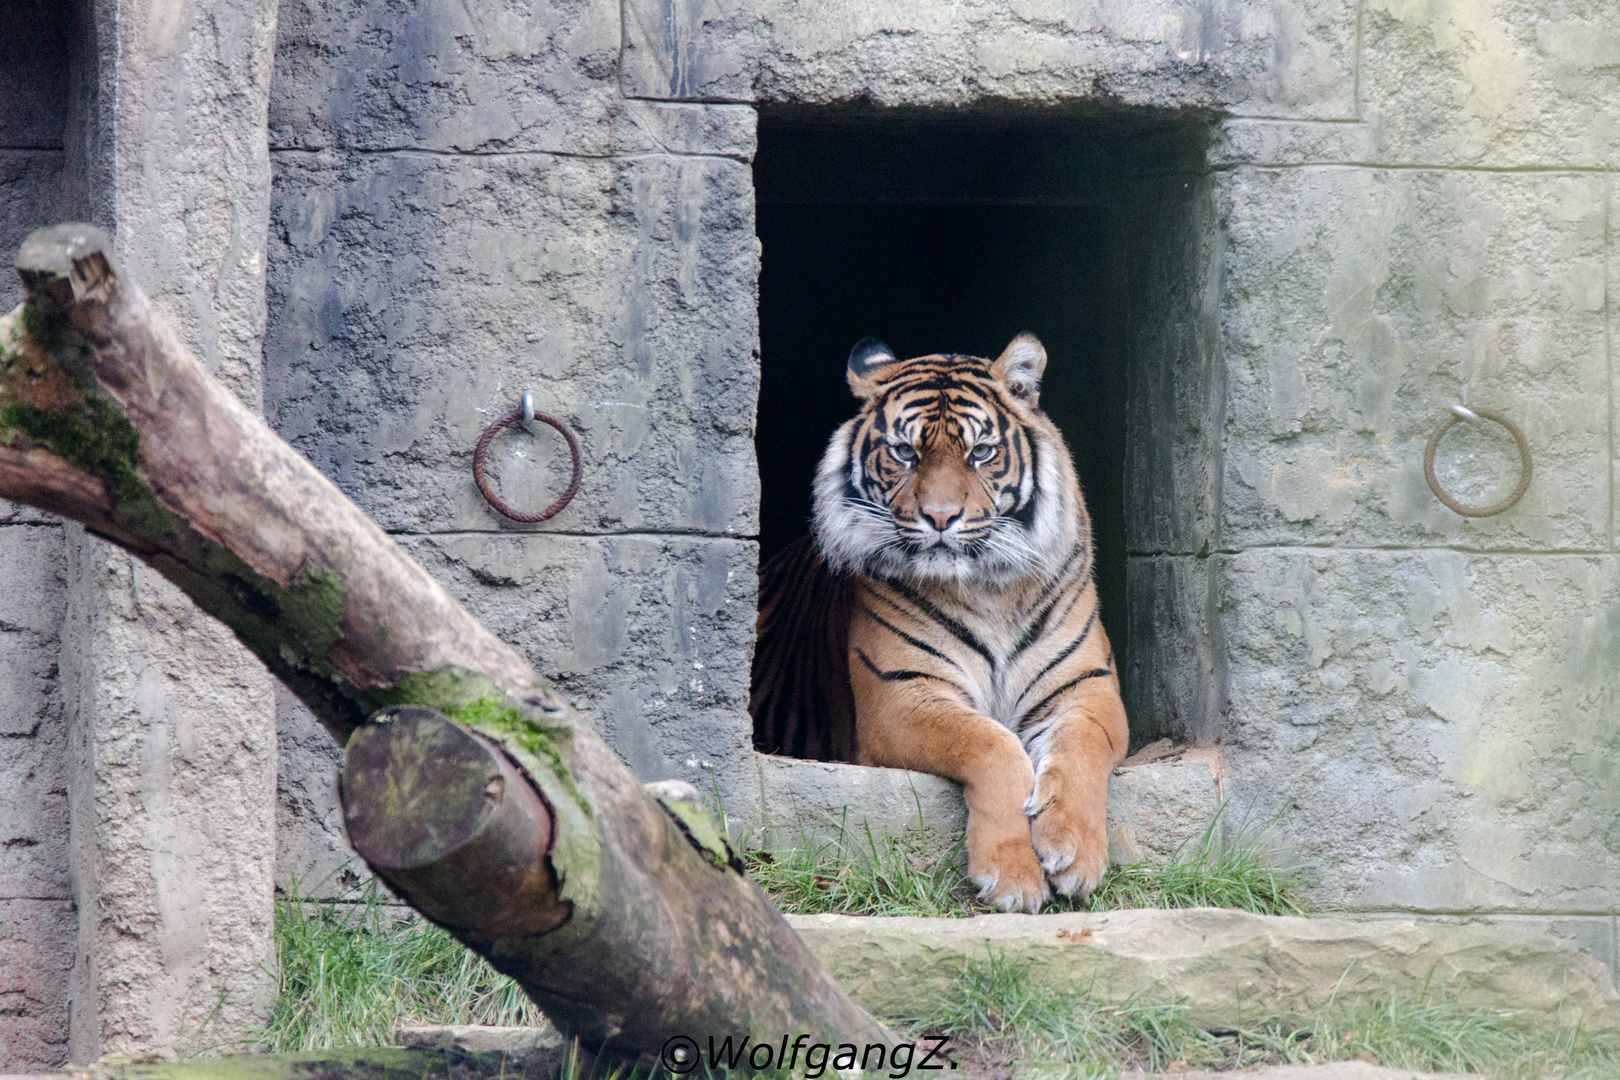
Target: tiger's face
[940,476]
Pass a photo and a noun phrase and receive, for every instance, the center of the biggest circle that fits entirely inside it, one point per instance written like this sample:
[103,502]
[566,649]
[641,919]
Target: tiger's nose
[943,517]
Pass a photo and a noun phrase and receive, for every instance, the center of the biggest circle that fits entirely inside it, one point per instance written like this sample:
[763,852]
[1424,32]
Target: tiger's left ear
[1020,366]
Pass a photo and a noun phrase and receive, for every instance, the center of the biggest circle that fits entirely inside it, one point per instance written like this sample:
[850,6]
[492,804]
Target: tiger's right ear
[866,359]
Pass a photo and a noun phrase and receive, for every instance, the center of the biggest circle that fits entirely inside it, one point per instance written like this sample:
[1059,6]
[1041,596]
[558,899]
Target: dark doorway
[962,274]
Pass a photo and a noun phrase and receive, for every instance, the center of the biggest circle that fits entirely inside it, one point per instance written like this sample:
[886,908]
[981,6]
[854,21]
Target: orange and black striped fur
[945,617]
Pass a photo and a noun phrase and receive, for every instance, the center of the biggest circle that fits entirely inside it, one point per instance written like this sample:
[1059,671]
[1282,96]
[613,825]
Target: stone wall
[136,851]
[1332,217]
[1398,205]
[465,207]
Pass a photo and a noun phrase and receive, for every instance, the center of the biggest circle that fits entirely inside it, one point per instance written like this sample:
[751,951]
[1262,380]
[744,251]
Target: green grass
[859,873]
[1012,1024]
[349,974]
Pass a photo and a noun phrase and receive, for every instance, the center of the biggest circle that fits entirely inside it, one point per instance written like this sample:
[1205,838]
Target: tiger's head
[950,472]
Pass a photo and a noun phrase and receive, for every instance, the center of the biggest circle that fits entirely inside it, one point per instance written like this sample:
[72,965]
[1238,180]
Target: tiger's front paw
[1007,874]
[1068,828]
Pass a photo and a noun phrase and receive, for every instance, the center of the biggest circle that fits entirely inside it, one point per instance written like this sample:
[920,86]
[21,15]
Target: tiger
[942,616]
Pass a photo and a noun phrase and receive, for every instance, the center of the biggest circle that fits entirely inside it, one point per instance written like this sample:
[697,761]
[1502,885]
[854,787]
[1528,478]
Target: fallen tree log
[469,785]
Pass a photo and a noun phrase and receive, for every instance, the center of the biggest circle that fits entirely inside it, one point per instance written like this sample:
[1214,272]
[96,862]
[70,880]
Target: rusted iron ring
[482,448]
[1462,508]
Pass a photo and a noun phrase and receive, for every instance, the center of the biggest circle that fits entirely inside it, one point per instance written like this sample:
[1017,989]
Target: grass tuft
[997,1011]
[351,972]
[1012,1024]
[1231,872]
[859,873]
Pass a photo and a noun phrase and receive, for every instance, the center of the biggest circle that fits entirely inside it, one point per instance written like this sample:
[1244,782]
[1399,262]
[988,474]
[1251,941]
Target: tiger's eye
[982,453]
[904,454]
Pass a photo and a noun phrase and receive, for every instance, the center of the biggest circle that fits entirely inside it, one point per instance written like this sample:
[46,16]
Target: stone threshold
[1226,968]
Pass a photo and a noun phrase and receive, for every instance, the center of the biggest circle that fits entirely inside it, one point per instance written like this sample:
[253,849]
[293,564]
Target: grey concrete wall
[136,856]
[466,206]
[1397,201]
[171,722]
[37,917]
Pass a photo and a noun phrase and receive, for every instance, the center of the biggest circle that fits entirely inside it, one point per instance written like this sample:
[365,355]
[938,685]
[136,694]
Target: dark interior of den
[952,234]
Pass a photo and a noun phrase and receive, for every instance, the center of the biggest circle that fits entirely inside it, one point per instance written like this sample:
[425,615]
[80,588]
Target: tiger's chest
[993,650]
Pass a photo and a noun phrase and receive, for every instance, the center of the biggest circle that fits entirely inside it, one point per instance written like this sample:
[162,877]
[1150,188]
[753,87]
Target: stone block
[808,803]
[36,955]
[1358,303]
[416,296]
[481,1038]
[1154,810]
[1432,730]
[1613,313]
[1157,812]
[649,636]
[1514,83]
[1227,968]
[440,75]
[187,170]
[1252,57]
[1593,935]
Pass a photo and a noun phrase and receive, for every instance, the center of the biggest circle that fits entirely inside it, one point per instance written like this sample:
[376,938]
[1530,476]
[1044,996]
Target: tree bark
[626,919]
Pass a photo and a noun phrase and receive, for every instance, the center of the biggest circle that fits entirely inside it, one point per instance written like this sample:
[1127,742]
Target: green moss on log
[295,624]
[544,751]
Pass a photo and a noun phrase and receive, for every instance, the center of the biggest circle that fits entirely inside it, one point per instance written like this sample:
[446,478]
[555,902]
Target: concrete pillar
[170,723]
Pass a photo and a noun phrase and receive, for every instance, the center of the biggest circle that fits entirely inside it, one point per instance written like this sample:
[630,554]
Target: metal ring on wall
[1434,483]
[520,416]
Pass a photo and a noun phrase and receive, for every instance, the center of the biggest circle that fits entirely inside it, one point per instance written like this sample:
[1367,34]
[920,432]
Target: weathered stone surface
[1153,810]
[36,954]
[1511,83]
[649,636]
[1247,141]
[682,128]
[1433,730]
[182,100]
[1247,56]
[33,750]
[1227,967]
[813,802]
[480,1038]
[416,296]
[171,795]
[1177,367]
[1357,305]
[312,852]
[1174,682]
[171,744]
[1613,312]
[439,75]
[1159,811]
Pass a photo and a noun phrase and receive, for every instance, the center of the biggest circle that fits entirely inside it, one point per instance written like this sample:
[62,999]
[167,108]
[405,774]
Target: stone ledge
[1153,808]
[1227,967]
